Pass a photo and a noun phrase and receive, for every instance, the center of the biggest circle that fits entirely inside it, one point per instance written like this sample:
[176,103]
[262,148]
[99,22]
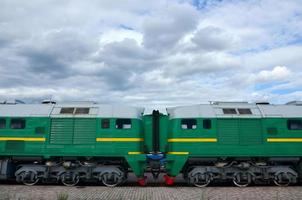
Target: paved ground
[143,193]
[154,191]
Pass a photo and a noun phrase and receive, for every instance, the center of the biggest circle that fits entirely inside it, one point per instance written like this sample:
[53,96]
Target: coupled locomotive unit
[221,141]
[235,141]
[70,142]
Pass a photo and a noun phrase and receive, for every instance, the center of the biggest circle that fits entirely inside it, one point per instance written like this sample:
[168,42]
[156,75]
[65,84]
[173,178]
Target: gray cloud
[53,53]
[42,63]
[4,42]
[123,61]
[164,31]
[127,53]
[174,54]
[212,39]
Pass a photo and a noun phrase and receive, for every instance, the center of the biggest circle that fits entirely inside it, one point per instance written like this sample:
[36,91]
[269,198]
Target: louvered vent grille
[73,131]
[61,131]
[84,131]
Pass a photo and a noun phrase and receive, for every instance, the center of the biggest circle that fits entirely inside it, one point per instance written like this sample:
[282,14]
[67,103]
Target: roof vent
[262,103]
[12,102]
[296,103]
[228,102]
[79,102]
[48,101]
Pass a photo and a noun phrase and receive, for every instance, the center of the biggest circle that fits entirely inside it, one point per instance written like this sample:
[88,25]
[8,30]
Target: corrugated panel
[84,131]
[61,131]
[239,131]
[228,131]
[250,131]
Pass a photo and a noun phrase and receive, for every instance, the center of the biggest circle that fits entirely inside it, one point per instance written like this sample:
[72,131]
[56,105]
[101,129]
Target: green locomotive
[242,142]
[221,141]
[70,142]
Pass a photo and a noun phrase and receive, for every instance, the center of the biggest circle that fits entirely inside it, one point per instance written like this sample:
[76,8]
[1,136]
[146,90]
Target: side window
[17,123]
[123,124]
[2,123]
[105,123]
[207,124]
[189,124]
[294,124]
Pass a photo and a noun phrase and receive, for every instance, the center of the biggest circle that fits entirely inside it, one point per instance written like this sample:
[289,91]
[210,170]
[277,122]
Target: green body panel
[163,133]
[74,137]
[21,148]
[137,164]
[235,138]
[175,163]
[147,126]
[148,133]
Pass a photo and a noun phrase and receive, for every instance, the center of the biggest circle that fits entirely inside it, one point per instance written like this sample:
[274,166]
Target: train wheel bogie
[242,174]
[242,179]
[202,180]
[110,175]
[111,179]
[71,174]
[284,179]
[28,178]
[70,178]
[199,177]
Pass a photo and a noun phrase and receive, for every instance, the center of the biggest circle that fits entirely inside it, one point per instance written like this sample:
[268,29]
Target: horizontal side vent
[61,131]
[73,131]
[84,131]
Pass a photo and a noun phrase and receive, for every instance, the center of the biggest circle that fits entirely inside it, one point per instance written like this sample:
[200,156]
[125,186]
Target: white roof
[214,110]
[53,110]
[25,110]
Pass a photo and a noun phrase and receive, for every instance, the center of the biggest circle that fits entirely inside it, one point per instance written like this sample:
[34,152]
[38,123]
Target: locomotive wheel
[111,179]
[202,179]
[29,178]
[70,179]
[242,179]
[282,179]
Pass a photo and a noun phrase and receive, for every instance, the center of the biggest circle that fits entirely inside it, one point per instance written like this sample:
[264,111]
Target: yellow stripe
[119,139]
[192,140]
[22,139]
[178,153]
[284,139]
[135,152]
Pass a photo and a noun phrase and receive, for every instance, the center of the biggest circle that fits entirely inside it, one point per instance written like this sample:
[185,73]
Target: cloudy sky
[151,53]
